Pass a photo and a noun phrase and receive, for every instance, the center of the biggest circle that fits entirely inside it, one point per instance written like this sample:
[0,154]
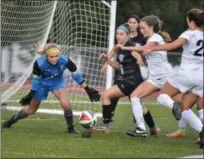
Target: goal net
[81,27]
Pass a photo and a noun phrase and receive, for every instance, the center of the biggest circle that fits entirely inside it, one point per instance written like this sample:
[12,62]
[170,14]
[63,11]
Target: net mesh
[80,27]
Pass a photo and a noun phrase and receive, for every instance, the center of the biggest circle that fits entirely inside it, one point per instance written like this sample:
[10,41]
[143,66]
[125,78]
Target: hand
[93,94]
[27,98]
[104,57]
[146,51]
[140,62]
[119,46]
[104,68]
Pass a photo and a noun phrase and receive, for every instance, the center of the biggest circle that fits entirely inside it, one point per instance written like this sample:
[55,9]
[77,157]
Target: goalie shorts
[127,87]
[188,81]
[42,91]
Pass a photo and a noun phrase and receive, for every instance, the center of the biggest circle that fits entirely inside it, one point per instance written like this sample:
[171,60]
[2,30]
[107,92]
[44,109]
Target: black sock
[114,103]
[106,113]
[149,120]
[68,115]
[20,115]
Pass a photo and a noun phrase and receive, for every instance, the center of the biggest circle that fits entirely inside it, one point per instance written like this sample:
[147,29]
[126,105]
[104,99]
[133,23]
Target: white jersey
[158,64]
[192,56]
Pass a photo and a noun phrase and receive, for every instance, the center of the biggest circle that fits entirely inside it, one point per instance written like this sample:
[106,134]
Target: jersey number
[200,50]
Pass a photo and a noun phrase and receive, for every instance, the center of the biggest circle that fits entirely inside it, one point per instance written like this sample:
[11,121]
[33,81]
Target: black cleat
[201,134]
[8,123]
[72,130]
[176,110]
[138,132]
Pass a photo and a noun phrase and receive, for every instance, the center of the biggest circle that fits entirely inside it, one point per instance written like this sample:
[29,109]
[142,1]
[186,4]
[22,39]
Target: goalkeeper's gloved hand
[93,94]
[27,98]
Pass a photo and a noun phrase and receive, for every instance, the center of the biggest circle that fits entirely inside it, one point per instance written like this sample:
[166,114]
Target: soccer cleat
[102,129]
[72,130]
[137,132]
[9,122]
[176,110]
[155,132]
[177,134]
[201,134]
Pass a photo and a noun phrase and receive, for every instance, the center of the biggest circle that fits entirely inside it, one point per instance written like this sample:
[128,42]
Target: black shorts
[127,87]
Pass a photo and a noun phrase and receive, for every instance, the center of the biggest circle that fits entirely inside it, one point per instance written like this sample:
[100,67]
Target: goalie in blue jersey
[48,77]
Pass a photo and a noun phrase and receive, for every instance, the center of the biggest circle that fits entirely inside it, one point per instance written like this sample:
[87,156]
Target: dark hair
[126,26]
[196,15]
[137,18]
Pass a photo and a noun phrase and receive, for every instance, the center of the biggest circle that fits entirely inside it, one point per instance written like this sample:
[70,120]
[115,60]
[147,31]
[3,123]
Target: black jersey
[129,69]
[136,41]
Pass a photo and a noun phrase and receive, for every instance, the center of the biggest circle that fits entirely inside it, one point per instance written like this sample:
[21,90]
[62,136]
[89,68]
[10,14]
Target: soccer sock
[165,100]
[138,112]
[192,119]
[149,120]
[200,114]
[106,113]
[68,115]
[114,103]
[21,114]
[182,124]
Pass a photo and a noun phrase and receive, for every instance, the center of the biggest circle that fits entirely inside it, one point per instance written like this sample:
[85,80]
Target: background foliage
[171,12]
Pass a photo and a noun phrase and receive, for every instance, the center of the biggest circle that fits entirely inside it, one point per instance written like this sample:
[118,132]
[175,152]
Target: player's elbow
[73,68]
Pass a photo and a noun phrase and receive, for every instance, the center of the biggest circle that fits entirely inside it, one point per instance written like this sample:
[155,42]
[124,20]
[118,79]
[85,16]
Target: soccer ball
[87,119]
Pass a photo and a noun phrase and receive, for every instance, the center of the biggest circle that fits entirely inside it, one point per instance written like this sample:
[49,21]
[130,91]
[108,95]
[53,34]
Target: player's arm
[131,48]
[137,56]
[112,63]
[77,76]
[166,47]
[110,54]
[35,84]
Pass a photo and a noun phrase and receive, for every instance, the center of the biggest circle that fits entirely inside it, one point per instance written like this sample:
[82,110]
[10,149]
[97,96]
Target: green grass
[43,136]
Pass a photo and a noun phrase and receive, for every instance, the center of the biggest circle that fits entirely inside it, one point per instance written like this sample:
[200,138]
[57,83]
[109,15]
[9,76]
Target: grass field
[43,136]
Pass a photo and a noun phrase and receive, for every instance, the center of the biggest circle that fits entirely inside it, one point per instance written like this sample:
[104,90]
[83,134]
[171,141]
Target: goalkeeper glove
[93,94]
[27,98]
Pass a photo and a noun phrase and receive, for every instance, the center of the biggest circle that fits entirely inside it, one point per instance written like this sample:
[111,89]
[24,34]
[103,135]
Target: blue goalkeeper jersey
[46,74]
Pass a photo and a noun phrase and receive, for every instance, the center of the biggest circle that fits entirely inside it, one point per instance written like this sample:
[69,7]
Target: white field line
[195,156]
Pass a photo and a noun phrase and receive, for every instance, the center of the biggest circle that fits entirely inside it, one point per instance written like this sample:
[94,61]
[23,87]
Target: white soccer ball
[88,119]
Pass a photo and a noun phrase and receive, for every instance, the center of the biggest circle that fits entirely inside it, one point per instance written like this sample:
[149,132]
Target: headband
[52,51]
[122,27]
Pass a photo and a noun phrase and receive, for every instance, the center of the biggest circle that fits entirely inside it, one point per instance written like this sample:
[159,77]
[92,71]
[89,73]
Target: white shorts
[188,81]
[158,82]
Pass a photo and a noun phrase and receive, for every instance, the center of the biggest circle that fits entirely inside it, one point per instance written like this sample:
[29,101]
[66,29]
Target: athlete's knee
[105,96]
[163,98]
[65,104]
[29,110]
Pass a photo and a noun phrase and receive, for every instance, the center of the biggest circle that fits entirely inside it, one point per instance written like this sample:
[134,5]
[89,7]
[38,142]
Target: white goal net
[81,27]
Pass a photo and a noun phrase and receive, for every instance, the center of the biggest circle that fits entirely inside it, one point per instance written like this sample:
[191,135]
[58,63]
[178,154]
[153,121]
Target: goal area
[83,28]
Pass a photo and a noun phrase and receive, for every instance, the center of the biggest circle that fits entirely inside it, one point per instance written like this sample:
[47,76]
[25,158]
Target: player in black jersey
[137,39]
[128,63]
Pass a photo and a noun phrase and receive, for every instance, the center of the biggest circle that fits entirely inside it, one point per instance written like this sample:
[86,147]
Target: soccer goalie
[48,76]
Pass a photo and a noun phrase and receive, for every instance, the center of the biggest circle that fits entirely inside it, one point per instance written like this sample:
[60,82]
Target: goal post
[83,28]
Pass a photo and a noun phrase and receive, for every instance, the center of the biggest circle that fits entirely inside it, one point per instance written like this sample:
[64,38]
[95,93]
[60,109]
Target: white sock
[138,112]
[182,124]
[200,114]
[190,117]
[165,100]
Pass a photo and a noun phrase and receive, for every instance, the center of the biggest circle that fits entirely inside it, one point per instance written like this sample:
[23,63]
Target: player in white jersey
[159,68]
[189,77]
